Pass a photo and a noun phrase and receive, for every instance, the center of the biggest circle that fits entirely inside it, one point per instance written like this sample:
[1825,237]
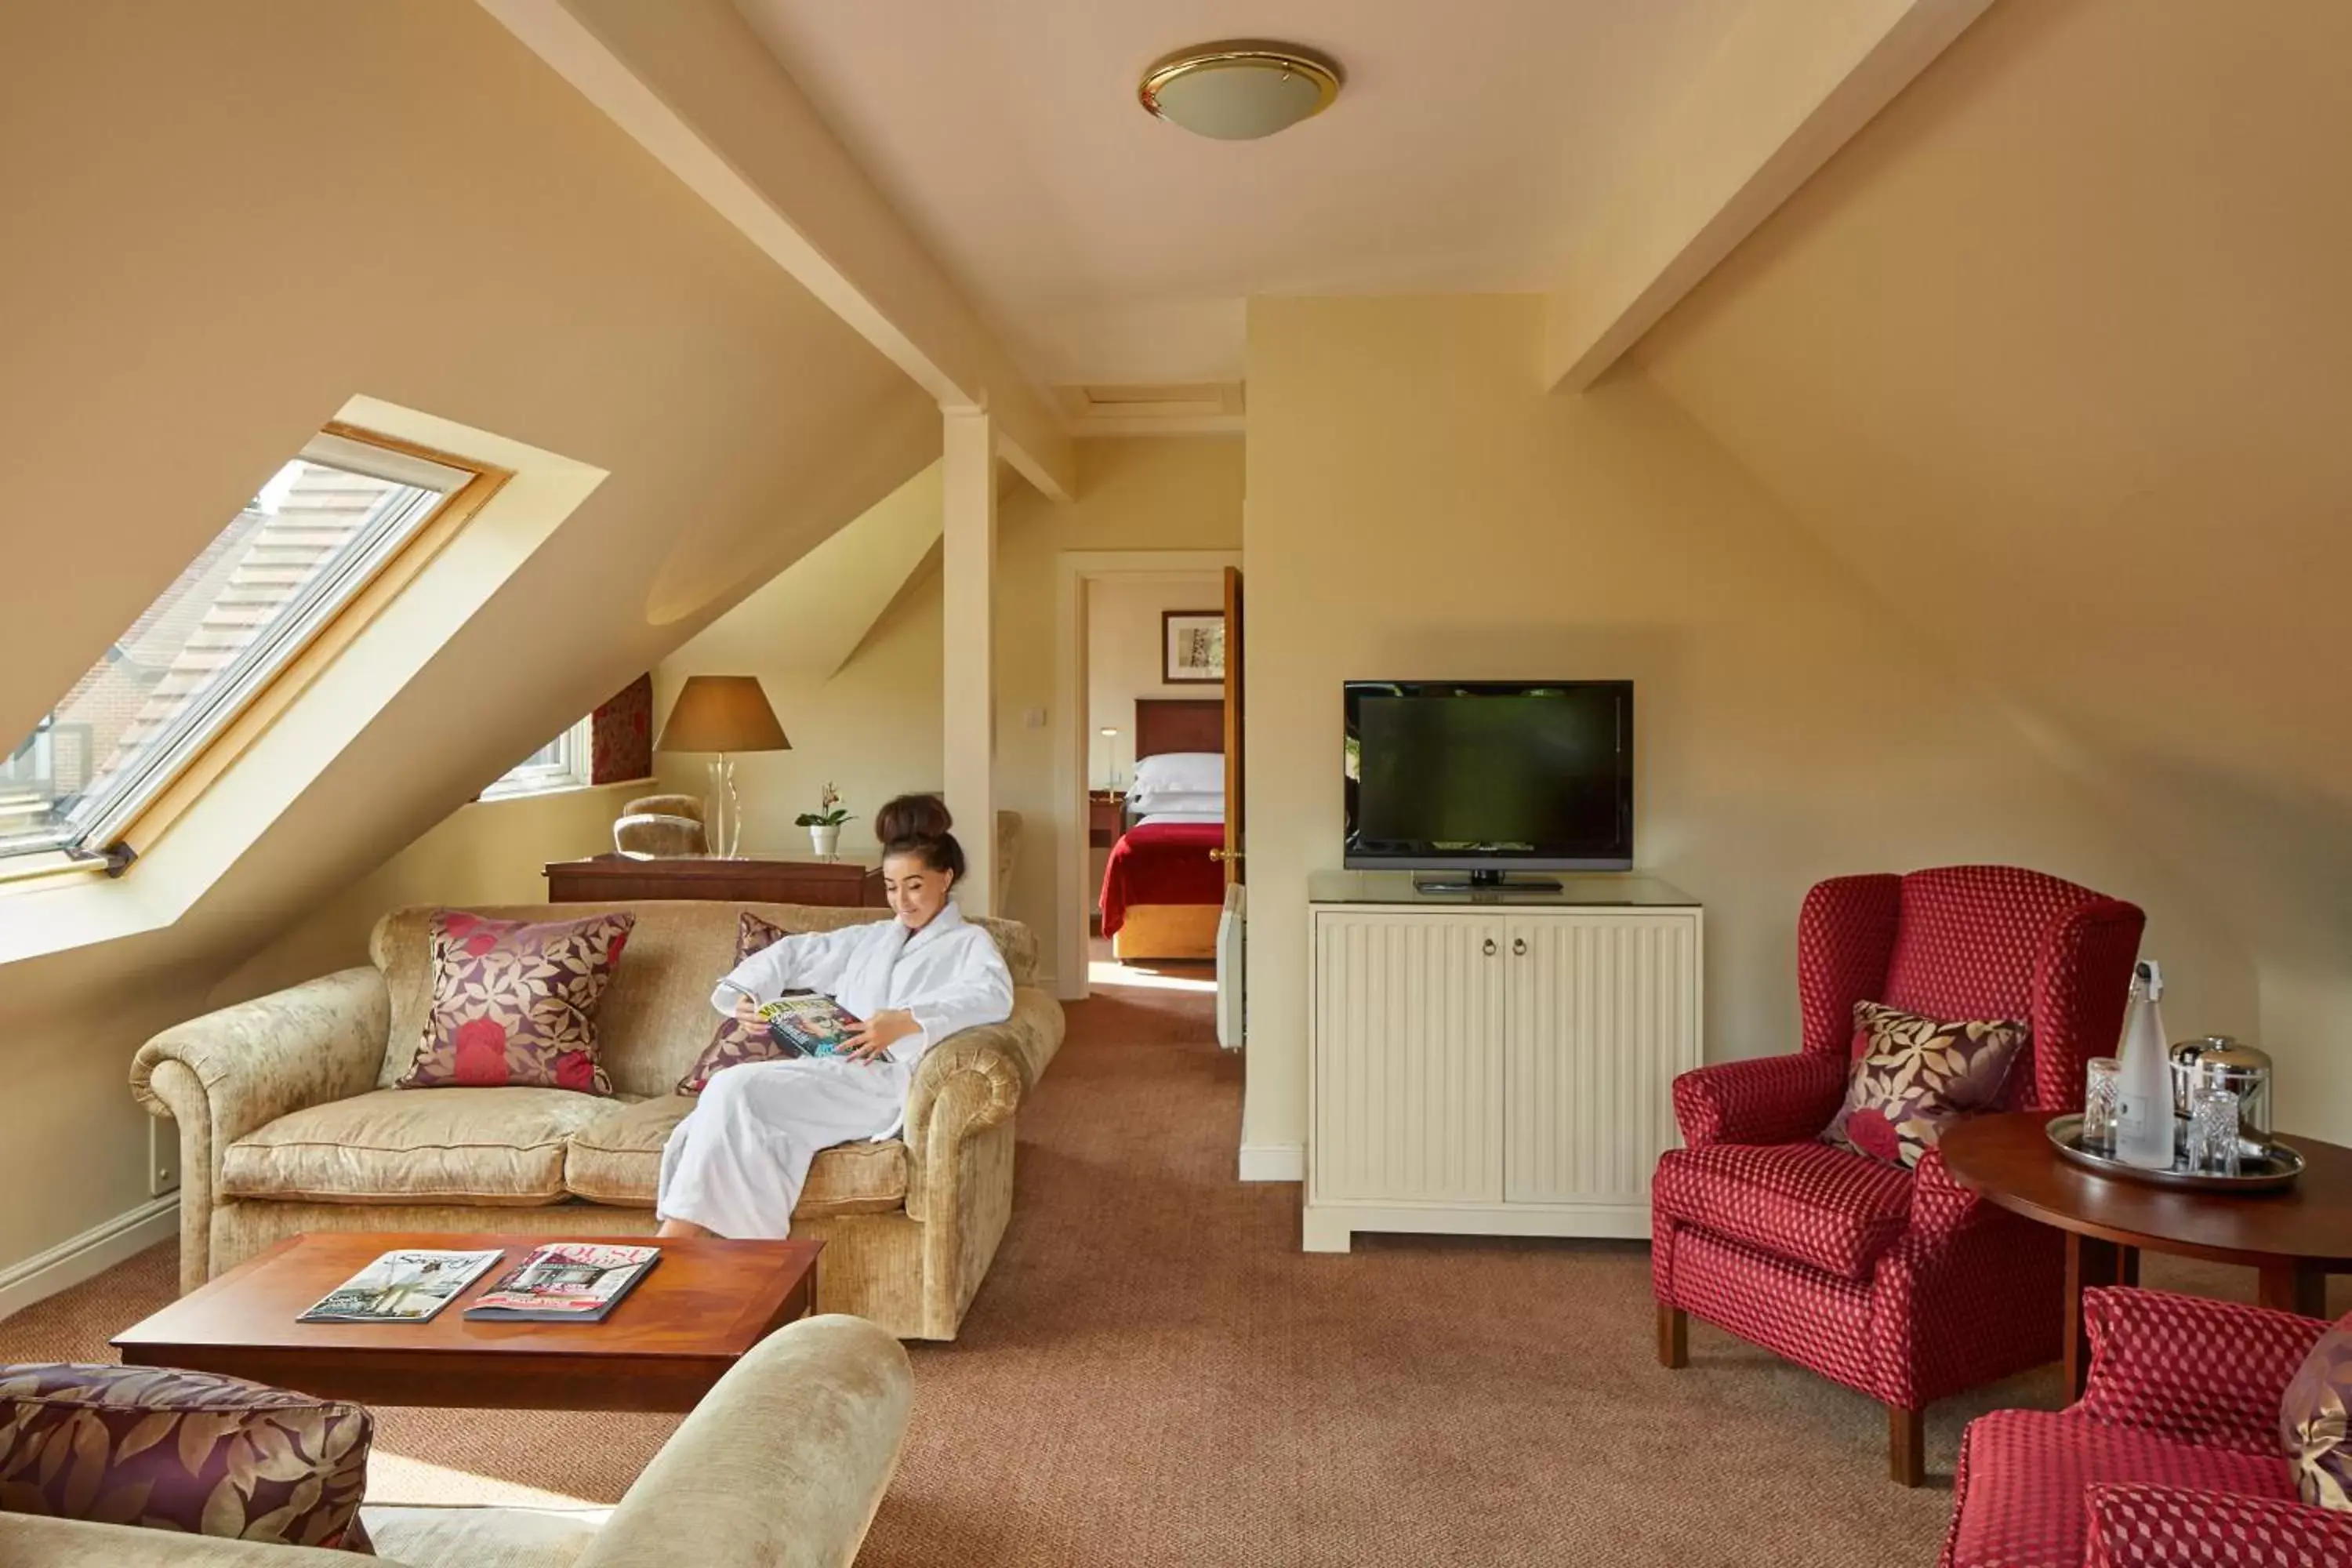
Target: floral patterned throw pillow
[515,1002]
[736,1041]
[188,1451]
[2315,1421]
[1914,1077]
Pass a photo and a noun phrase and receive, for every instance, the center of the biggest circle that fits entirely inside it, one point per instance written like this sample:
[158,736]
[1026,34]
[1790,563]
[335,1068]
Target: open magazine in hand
[807,1024]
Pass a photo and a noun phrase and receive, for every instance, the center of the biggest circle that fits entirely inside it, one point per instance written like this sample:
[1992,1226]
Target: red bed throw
[1166,863]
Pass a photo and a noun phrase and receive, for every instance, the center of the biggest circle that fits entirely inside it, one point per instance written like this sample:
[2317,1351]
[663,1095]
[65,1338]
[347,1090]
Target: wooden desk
[706,1303]
[618,879]
[2295,1238]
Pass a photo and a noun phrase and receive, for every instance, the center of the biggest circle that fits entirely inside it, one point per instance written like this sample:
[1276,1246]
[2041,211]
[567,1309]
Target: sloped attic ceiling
[250,213]
[2057,355]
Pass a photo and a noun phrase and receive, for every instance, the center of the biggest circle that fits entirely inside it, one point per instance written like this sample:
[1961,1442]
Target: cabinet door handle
[1490,947]
[1518,947]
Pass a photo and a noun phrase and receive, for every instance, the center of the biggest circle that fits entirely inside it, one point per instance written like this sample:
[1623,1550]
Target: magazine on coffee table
[566,1282]
[405,1287]
[808,1023]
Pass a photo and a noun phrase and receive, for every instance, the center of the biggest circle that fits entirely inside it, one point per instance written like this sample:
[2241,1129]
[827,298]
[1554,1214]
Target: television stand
[1483,881]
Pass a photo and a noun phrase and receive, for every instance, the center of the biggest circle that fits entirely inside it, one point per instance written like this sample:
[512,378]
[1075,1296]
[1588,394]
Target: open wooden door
[1231,924]
[1232,854]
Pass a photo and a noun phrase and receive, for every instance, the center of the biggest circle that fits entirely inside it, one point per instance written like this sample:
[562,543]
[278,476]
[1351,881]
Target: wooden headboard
[1179,725]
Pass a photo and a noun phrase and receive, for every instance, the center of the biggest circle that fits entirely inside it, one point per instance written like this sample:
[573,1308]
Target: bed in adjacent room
[1162,892]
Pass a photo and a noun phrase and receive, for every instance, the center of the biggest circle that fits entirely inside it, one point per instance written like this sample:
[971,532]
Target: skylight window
[246,607]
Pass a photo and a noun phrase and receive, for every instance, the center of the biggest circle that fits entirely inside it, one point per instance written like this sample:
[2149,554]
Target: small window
[249,603]
[562,764]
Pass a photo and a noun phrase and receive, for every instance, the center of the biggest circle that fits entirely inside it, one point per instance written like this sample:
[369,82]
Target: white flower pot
[826,841]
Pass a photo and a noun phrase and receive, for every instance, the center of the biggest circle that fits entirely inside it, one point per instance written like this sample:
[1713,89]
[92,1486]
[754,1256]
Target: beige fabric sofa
[781,1466]
[288,1120]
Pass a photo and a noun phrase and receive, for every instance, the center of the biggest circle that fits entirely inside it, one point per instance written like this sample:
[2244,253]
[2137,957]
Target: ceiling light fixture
[1240,90]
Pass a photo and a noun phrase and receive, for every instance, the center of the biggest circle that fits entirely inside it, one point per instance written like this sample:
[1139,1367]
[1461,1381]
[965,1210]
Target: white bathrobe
[737,1163]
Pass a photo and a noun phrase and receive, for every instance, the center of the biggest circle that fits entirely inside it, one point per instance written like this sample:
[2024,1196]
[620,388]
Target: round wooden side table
[2295,1238]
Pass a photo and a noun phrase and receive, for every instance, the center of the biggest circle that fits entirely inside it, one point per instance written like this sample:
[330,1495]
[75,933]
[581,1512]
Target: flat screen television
[1490,776]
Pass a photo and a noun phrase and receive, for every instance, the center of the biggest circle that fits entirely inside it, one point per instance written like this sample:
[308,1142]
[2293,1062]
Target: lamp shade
[722,713]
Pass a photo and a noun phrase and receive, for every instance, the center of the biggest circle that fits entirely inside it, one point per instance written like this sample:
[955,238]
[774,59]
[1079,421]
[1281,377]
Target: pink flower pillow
[515,1002]
[735,1041]
[1912,1077]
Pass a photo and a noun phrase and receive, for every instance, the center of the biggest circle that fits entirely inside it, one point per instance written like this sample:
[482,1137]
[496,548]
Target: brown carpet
[1154,1373]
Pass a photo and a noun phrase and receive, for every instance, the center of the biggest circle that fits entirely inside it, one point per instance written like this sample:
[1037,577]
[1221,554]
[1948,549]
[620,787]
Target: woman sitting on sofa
[735,1166]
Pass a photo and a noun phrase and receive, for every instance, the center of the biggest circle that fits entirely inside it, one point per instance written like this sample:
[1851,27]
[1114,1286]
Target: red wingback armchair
[2170,1459]
[1900,1284]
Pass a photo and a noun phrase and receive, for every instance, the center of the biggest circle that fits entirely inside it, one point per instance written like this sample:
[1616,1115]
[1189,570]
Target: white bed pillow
[1196,771]
[1192,802]
[1165,818]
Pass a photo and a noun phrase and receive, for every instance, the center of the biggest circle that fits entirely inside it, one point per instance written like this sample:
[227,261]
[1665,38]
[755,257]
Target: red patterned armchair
[1900,1284]
[2171,1458]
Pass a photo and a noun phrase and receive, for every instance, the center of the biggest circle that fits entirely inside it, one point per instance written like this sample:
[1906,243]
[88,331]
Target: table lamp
[724,714]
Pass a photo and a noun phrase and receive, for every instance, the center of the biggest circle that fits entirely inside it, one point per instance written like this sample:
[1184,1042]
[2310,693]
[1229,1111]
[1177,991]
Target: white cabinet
[1500,1068]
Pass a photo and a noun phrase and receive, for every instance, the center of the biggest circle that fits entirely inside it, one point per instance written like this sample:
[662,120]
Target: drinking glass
[2213,1129]
[2102,1091]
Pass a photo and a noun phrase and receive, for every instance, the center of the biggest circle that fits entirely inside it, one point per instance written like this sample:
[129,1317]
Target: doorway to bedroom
[1147,677]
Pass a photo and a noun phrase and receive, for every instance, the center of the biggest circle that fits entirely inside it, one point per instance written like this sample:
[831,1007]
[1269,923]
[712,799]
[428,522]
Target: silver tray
[2262,1167]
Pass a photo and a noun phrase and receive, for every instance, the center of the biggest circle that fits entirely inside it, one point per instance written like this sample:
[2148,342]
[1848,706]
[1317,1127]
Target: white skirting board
[1274,1161]
[91,1253]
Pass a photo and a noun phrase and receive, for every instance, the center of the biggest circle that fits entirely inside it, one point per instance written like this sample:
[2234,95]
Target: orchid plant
[830,811]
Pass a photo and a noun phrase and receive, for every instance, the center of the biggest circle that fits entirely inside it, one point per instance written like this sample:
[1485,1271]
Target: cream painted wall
[490,852]
[1123,655]
[251,212]
[2061,337]
[1418,506]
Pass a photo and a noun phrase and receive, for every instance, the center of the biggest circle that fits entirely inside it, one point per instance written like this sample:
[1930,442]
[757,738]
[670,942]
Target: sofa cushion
[514,1002]
[499,1147]
[2022,1472]
[185,1451]
[616,1158]
[738,1039]
[1808,1202]
[655,1014]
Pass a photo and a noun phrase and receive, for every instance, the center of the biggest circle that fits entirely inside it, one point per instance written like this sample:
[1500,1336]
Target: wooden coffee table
[2295,1238]
[705,1304]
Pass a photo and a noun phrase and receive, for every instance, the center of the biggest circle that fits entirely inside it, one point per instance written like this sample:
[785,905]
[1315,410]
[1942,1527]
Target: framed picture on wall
[1191,647]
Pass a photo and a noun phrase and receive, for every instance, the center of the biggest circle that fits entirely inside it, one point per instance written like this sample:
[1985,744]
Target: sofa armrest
[781,1466]
[972,1079]
[1767,1100]
[2199,1371]
[2139,1526]
[232,1072]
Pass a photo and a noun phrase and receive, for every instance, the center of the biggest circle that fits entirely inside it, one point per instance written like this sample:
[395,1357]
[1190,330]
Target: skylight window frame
[348,598]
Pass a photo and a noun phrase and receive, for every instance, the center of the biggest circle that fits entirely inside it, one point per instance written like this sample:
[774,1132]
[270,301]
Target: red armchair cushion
[2203,1371]
[1805,1202]
[2019,1498]
[1914,1077]
[2171,1527]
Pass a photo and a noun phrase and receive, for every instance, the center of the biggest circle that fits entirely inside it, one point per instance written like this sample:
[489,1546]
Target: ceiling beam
[1788,85]
[691,82]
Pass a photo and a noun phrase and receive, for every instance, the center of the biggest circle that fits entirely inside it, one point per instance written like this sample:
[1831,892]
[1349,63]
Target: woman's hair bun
[911,817]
